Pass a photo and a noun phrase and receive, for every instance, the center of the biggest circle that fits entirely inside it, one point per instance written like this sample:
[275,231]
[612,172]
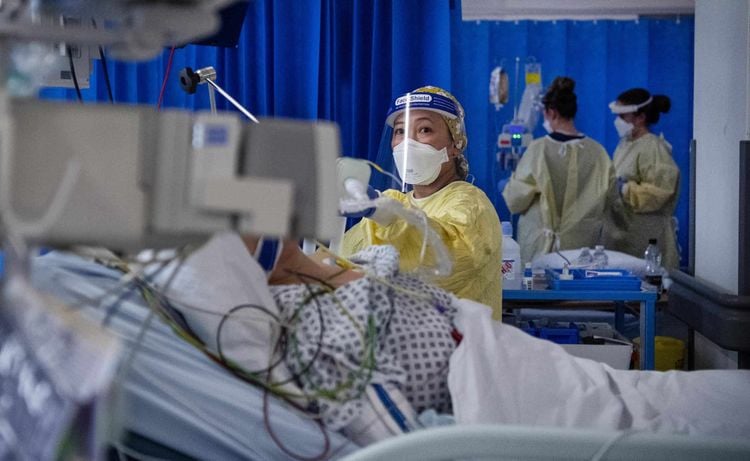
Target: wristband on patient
[385,412]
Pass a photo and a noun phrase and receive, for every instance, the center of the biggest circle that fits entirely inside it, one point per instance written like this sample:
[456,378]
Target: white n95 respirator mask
[547,127]
[417,163]
[623,128]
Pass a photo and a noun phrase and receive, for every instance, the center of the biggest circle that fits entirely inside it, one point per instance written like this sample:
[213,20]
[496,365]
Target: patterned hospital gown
[410,325]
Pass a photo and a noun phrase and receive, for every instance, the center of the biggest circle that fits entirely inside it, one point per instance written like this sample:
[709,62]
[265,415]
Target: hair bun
[562,85]
[662,103]
[567,84]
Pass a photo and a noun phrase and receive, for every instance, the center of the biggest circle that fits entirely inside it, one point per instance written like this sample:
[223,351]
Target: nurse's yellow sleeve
[522,187]
[455,222]
[366,232]
[466,222]
[659,176]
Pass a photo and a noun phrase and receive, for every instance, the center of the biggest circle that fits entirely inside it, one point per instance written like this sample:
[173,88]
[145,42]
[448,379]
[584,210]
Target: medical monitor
[128,177]
[303,152]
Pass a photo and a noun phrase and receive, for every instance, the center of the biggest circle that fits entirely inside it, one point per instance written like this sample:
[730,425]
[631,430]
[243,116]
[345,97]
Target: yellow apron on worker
[561,190]
[648,200]
[466,222]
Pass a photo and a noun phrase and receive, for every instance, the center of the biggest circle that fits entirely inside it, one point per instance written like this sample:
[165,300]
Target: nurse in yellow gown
[428,150]
[562,184]
[648,179]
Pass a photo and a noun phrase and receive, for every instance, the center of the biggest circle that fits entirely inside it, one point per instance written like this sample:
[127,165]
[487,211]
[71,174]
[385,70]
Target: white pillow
[212,281]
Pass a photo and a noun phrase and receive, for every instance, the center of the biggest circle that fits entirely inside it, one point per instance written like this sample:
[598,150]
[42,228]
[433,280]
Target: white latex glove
[386,211]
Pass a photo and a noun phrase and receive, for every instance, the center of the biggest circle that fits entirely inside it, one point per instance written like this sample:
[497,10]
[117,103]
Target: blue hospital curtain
[339,60]
[344,60]
[603,57]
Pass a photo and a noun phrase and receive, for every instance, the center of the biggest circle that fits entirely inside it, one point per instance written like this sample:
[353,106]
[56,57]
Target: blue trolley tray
[594,280]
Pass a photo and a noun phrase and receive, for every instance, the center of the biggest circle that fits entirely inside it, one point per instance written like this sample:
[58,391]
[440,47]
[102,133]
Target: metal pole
[232,100]
[743,271]
[212,99]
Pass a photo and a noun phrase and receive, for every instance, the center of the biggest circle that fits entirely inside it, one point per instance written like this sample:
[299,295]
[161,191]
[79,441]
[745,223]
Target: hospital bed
[533,443]
[174,398]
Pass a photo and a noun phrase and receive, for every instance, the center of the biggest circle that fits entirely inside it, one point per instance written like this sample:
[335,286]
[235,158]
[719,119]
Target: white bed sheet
[175,395]
[501,375]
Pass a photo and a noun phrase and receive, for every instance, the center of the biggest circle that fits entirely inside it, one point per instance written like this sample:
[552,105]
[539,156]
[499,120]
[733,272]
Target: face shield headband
[425,101]
[618,109]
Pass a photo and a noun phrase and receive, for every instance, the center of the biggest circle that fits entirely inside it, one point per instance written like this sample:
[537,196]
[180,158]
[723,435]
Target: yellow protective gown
[561,190]
[467,223]
[648,200]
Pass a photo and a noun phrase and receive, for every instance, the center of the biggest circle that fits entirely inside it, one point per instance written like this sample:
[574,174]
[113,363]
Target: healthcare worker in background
[647,178]
[563,182]
[427,149]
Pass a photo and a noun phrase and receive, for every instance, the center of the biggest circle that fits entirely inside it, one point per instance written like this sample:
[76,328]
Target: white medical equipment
[129,30]
[130,178]
[127,177]
[352,178]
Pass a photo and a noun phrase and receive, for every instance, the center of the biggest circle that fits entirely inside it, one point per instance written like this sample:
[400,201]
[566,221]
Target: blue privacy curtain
[344,60]
[340,60]
[603,57]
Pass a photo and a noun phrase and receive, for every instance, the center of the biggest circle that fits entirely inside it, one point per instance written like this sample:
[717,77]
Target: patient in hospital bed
[328,334]
[374,325]
[324,338]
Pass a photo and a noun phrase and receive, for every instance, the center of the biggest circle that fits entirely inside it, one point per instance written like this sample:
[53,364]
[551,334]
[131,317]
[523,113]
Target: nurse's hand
[387,211]
[372,194]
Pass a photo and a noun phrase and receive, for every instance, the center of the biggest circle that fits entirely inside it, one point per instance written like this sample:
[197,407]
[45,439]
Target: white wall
[722,107]
[571,9]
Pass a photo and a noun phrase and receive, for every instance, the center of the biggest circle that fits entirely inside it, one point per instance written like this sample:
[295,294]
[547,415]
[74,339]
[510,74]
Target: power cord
[69,52]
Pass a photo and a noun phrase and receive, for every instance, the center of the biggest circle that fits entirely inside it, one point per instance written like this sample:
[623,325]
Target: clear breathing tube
[413,216]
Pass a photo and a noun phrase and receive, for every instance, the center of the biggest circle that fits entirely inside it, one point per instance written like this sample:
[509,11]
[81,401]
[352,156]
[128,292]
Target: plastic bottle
[601,261]
[652,255]
[511,268]
[528,277]
[565,274]
[585,259]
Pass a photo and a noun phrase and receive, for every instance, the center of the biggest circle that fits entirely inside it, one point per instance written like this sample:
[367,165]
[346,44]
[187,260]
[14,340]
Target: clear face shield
[387,177]
[414,143]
